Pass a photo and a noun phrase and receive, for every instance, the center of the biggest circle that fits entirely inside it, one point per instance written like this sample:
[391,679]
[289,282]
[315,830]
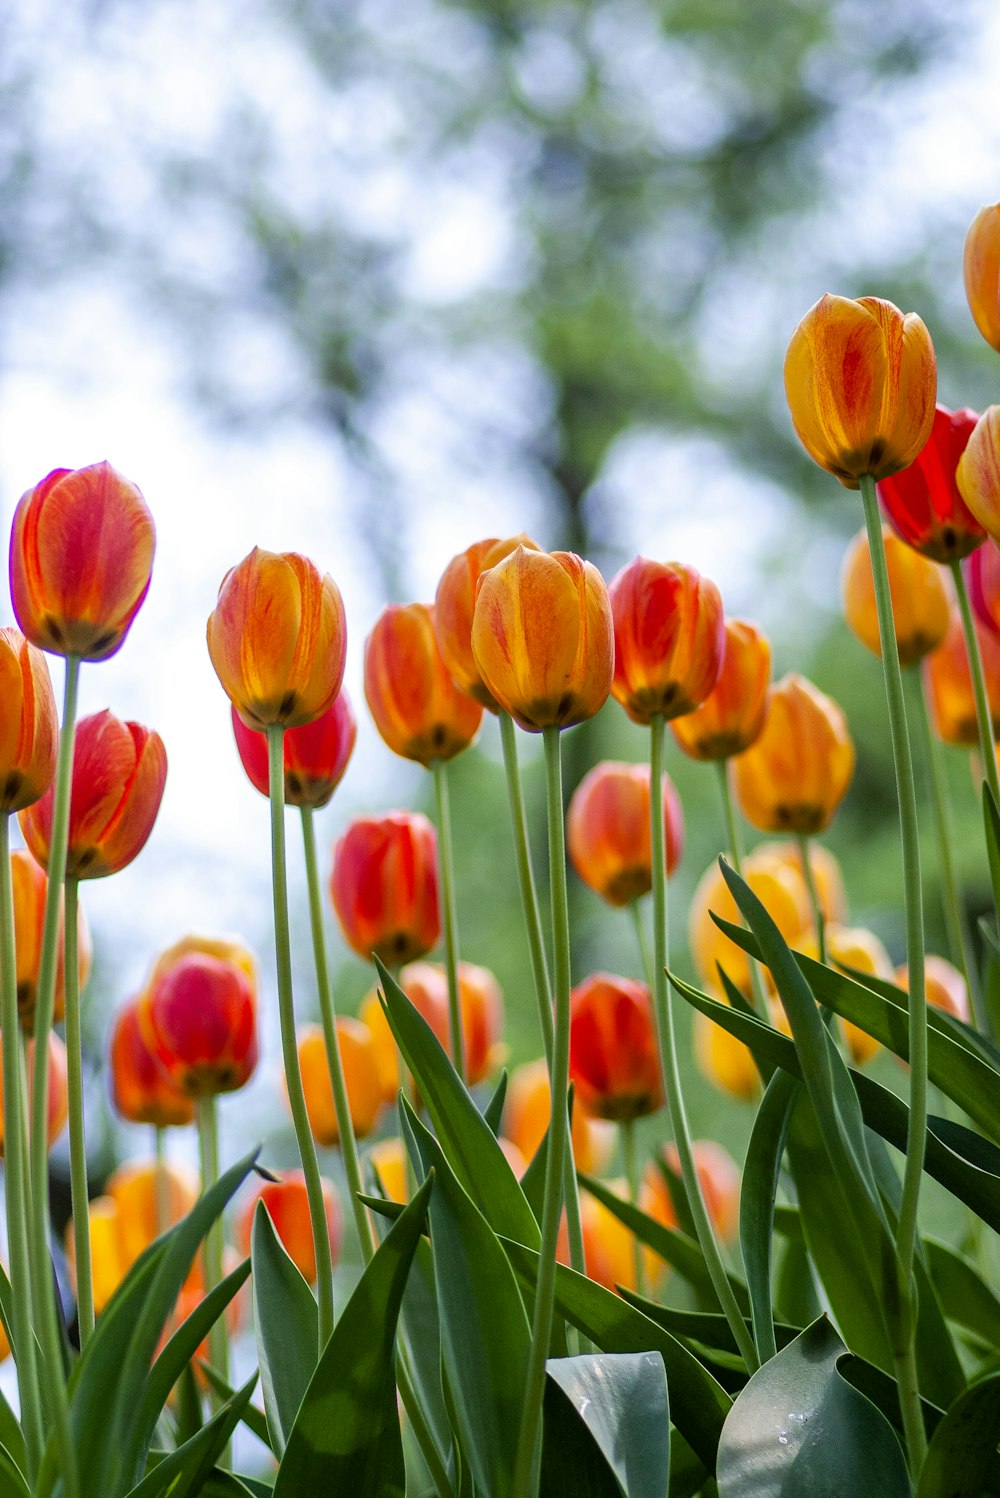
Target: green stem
[162,1181]
[345,1124]
[984,716]
[46,1311]
[671,1068]
[15,1137]
[906,1229]
[635,910]
[289,1048]
[759,996]
[208,1149]
[525,1464]
[814,900]
[79,1192]
[447,861]
[632,1176]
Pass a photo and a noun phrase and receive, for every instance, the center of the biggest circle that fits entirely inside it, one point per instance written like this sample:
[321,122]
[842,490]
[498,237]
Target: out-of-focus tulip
[528,1110]
[948,683]
[81,554]
[385,886]
[141,1090]
[608,830]
[361,1077]
[141,1189]
[669,638]
[718,1175]
[119,771]
[417,708]
[922,502]
[823,865]
[732,714]
[480,999]
[107,1258]
[860,381]
[278,639]
[57,1102]
[920,604]
[981,267]
[198,1015]
[779,886]
[944,986]
[978,472]
[316,754]
[29,725]
[854,947]
[455,605]
[542,638]
[30,889]
[982,573]
[608,1245]
[724,1060]
[388,1157]
[287,1203]
[793,778]
[614,1061]
[426,987]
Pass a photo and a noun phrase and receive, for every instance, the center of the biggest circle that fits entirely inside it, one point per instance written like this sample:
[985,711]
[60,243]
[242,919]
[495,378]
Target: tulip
[920,604]
[983,573]
[826,872]
[385,886]
[923,503]
[860,381]
[107,1258]
[57,1100]
[277,639]
[287,1204]
[608,1245]
[944,987]
[614,1063]
[732,715]
[796,774]
[542,638]
[361,1077]
[81,553]
[29,726]
[860,950]
[316,754]
[528,1110]
[151,1196]
[30,888]
[778,886]
[426,987]
[417,708]
[949,684]
[981,266]
[720,1185]
[119,771]
[669,638]
[455,605]
[141,1090]
[978,472]
[481,1000]
[198,1015]
[725,1061]
[388,1158]
[608,830]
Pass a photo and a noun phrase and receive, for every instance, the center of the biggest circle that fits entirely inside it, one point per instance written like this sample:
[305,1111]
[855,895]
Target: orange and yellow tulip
[287,1204]
[608,830]
[361,1078]
[948,683]
[779,886]
[419,711]
[944,986]
[316,754]
[978,472]
[426,987]
[198,1015]
[29,724]
[141,1090]
[724,1060]
[455,605]
[793,778]
[718,1175]
[388,1157]
[825,868]
[669,638]
[30,887]
[920,603]
[981,268]
[614,1059]
[528,1112]
[854,947]
[608,1245]
[384,886]
[732,715]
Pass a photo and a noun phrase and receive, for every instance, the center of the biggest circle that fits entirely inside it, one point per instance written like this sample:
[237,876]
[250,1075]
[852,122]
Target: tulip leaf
[11,1435]
[253,1417]
[12,1481]
[798,1427]
[493,1112]
[757,1193]
[991,822]
[346,1437]
[962,1459]
[182,1473]
[286,1324]
[607,1427]
[965,1297]
[708,1328]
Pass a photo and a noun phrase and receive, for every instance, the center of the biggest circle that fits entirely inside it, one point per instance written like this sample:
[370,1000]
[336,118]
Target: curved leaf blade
[286,1326]
[620,1400]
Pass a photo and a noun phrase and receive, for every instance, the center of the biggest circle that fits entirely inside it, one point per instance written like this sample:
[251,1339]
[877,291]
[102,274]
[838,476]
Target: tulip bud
[944,987]
[119,771]
[385,886]
[361,1078]
[278,638]
[198,1015]
[978,472]
[81,553]
[455,605]
[732,714]
[141,1090]
[30,888]
[981,266]
[858,949]
[388,1159]
[608,1245]
[614,1061]
[287,1204]
[860,381]
[923,503]
[780,889]
[948,683]
[669,638]
[796,774]
[57,1102]
[725,1061]
[29,725]
[417,708]
[920,609]
[608,830]
[542,638]
[316,754]
[528,1112]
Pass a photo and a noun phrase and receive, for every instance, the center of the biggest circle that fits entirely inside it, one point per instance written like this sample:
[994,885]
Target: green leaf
[799,1428]
[991,823]
[253,1418]
[962,1460]
[965,1297]
[493,1112]
[11,1435]
[183,1473]
[346,1438]
[12,1482]
[286,1323]
[757,1193]
[619,1404]
[708,1328]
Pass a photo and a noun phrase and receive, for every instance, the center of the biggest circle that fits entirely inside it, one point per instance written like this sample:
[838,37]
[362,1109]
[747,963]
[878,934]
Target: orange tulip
[29,725]
[528,1110]
[948,684]
[725,1061]
[669,638]
[141,1090]
[978,472]
[385,886]
[81,553]
[455,605]
[944,987]
[198,1015]
[141,1189]
[417,708]
[542,638]
[278,638]
[614,1062]
[361,1077]
[732,714]
[316,754]
[57,1102]
[854,947]
[388,1158]
[797,773]
[287,1203]
[920,605]
[608,1245]
[780,887]
[608,830]
[718,1175]
[861,381]
[30,890]
[107,1259]
[119,771]
[826,872]
[982,272]
[426,987]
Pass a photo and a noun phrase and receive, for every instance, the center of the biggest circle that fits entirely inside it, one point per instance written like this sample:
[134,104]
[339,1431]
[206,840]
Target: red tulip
[287,1203]
[141,1090]
[316,754]
[385,886]
[614,1062]
[608,830]
[669,638]
[198,1015]
[923,503]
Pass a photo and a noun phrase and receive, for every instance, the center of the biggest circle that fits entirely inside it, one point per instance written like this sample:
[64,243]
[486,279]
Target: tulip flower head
[944,987]
[455,605]
[978,472]
[29,724]
[57,1101]
[614,1061]
[198,1015]
[982,572]
[920,603]
[361,1077]
[725,1061]
[278,638]
[732,715]
[718,1175]
[669,638]
[387,1160]
[287,1204]
[797,773]
[316,754]
[81,554]
[141,1090]
[385,886]
[981,267]
[608,830]
[861,380]
[419,711]
[528,1112]
[426,987]
[861,951]
[608,1245]
[948,683]
[30,890]
[922,502]
[781,889]
[828,877]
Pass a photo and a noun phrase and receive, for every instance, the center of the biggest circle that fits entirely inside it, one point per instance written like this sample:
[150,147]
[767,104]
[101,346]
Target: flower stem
[814,900]
[79,1193]
[668,1056]
[906,1228]
[635,910]
[984,717]
[162,1181]
[15,1139]
[208,1150]
[632,1176]
[289,1048]
[46,1311]
[446,849]
[736,851]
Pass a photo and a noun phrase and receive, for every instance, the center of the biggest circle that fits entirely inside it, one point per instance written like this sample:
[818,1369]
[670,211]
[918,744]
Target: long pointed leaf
[620,1401]
[286,1324]
[757,1193]
[182,1473]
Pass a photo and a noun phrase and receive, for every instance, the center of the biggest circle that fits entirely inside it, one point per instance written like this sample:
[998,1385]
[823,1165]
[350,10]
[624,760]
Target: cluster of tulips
[513,1331]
